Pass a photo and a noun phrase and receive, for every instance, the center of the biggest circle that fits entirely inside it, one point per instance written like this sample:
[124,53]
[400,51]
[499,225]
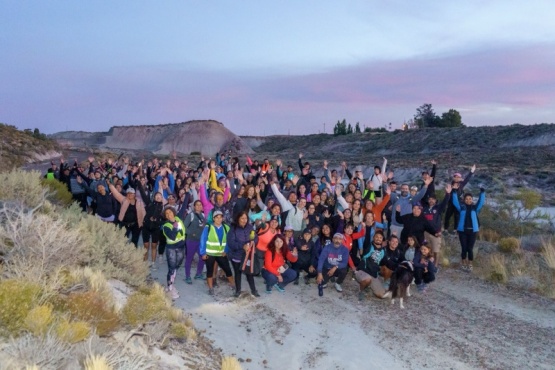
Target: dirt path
[461,323]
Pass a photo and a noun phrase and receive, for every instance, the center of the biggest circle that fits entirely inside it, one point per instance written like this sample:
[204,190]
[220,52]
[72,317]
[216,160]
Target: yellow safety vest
[180,233]
[215,247]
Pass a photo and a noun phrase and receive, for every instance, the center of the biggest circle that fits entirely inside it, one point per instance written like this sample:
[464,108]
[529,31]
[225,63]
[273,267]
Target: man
[174,231]
[432,213]
[393,256]
[213,243]
[333,262]
[414,224]
[304,246]
[368,268]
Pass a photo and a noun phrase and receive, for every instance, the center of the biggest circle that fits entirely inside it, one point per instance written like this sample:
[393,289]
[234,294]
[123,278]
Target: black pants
[303,266]
[354,253]
[82,200]
[134,230]
[340,274]
[237,275]
[420,275]
[223,262]
[467,239]
[162,243]
[451,211]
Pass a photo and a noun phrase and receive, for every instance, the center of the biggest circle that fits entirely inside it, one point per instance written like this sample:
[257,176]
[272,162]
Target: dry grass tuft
[145,305]
[509,245]
[497,269]
[46,352]
[17,298]
[548,254]
[93,308]
[230,363]
[72,332]
[181,330]
[488,235]
[38,320]
[97,362]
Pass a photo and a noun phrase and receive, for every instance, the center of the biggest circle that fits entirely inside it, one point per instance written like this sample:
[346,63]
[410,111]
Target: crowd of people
[270,220]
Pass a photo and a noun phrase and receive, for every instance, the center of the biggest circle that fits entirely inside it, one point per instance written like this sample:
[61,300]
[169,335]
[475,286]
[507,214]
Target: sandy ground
[460,323]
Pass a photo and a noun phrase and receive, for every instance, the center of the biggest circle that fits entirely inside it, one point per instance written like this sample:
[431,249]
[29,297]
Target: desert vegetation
[57,303]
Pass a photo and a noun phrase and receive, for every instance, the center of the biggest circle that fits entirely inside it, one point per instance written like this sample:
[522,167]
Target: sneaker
[464,268]
[200,277]
[279,289]
[188,280]
[338,287]
[211,291]
[320,290]
[153,267]
[387,294]
[255,293]
[173,292]
[424,288]
[361,296]
[469,268]
[237,294]
[269,290]
[420,287]
[324,286]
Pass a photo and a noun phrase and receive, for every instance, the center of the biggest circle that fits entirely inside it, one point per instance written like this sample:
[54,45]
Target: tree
[452,118]
[349,129]
[357,128]
[425,116]
[340,128]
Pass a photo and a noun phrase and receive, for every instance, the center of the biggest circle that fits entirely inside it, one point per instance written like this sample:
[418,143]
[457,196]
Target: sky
[281,67]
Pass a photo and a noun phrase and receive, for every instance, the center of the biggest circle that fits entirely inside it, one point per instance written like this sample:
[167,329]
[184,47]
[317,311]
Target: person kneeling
[424,268]
[333,262]
[276,272]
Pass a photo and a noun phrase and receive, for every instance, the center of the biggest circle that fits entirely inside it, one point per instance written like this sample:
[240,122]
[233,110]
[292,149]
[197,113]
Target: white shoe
[173,292]
[387,295]
[338,287]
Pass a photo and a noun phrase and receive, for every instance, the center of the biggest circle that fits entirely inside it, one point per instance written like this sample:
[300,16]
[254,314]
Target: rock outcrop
[206,137]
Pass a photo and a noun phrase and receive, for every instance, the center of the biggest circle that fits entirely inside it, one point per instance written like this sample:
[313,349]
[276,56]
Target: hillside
[205,137]
[20,147]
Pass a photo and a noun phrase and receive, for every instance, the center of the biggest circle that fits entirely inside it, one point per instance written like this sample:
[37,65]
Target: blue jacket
[332,256]
[474,209]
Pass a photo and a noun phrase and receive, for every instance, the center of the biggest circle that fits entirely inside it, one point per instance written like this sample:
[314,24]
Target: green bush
[73,332]
[17,298]
[38,320]
[497,268]
[59,193]
[509,245]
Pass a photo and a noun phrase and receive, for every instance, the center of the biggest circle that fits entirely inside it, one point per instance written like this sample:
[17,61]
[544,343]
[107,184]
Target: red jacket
[272,266]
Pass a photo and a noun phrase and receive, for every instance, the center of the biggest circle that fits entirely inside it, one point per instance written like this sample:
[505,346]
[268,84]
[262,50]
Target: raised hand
[473,168]
[428,181]
[434,162]
[295,179]
[448,188]
[278,162]
[91,159]
[300,155]
[340,214]
[325,164]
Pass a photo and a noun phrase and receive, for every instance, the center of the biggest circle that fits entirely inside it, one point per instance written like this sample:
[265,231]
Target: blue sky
[266,68]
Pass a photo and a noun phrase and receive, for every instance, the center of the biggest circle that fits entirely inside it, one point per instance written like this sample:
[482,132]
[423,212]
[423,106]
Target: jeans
[288,276]
[175,257]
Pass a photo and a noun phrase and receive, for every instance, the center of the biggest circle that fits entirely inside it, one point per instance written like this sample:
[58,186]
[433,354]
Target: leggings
[175,258]
[222,261]
[451,211]
[420,275]
[192,249]
[134,230]
[237,271]
[467,239]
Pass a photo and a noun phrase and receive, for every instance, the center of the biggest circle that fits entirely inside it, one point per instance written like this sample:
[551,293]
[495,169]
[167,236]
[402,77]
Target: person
[468,226]
[406,201]
[174,230]
[393,256]
[105,202]
[415,224]
[458,185]
[410,248]
[368,268]
[432,213]
[213,247]
[152,222]
[424,268]
[304,245]
[276,272]
[333,262]
[241,238]
[194,222]
[132,212]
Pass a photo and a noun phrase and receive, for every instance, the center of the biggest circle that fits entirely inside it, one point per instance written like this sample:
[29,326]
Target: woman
[152,222]
[410,249]
[276,272]
[194,222]
[468,226]
[357,212]
[174,231]
[131,214]
[240,239]
[424,268]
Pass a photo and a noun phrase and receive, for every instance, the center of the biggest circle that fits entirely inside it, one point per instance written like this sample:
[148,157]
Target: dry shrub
[72,332]
[145,305]
[23,186]
[93,308]
[548,254]
[497,269]
[97,362]
[509,245]
[115,355]
[17,298]
[488,235]
[230,363]
[58,193]
[46,352]
[38,320]
[34,245]
[181,330]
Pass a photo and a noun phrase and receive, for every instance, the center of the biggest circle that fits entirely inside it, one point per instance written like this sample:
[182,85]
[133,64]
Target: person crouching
[333,262]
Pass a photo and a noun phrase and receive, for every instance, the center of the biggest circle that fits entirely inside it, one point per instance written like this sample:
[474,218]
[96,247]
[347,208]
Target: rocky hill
[206,137]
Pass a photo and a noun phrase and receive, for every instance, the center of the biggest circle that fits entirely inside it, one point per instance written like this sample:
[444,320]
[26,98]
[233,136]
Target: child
[410,248]
[424,268]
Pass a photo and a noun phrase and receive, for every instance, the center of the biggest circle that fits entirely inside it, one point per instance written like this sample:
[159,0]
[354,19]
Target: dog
[400,282]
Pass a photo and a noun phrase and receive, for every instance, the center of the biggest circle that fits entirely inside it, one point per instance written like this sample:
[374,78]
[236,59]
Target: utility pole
[324,127]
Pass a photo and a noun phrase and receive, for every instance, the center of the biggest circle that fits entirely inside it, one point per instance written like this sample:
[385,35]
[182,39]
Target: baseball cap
[130,190]
[217,213]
